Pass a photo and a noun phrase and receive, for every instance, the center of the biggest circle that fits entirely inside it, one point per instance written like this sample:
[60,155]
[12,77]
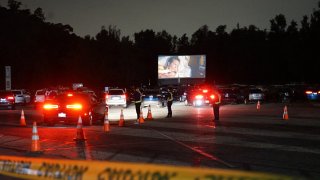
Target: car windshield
[255,91]
[115,92]
[40,92]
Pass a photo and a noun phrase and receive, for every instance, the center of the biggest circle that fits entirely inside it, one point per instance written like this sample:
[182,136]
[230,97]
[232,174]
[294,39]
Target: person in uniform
[216,105]
[137,98]
[169,102]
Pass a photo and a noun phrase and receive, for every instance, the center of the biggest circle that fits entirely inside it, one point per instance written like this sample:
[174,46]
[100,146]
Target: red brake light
[199,96]
[205,90]
[318,92]
[107,96]
[50,106]
[69,94]
[308,92]
[123,96]
[10,98]
[74,106]
[212,97]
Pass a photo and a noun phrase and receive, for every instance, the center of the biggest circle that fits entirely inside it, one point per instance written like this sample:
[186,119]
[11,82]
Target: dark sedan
[68,107]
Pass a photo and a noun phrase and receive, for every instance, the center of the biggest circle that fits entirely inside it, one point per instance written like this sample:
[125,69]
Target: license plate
[115,98]
[62,115]
[2,100]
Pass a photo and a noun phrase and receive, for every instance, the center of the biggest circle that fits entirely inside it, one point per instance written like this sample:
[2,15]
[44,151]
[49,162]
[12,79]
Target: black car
[67,107]
[199,97]
[7,99]
[231,96]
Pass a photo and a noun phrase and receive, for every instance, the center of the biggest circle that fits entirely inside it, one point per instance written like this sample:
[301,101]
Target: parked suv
[7,99]
[116,97]
[256,94]
[21,96]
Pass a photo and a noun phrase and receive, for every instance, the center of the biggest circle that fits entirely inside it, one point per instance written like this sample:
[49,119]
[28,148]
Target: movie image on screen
[186,66]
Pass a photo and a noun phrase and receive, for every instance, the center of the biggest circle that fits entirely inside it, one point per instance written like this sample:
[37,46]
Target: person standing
[169,102]
[137,98]
[216,105]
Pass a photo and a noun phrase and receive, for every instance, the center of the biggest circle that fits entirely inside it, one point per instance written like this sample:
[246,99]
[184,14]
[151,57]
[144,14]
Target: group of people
[137,99]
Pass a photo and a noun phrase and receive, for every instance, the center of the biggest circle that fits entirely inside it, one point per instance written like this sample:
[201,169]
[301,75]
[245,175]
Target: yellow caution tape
[40,168]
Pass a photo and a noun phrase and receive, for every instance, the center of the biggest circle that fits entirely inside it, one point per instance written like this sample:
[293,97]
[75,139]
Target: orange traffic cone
[285,115]
[22,119]
[121,121]
[106,126]
[258,105]
[80,134]
[149,115]
[35,145]
[141,119]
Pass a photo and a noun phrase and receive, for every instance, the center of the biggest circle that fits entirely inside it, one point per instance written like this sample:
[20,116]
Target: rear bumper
[67,117]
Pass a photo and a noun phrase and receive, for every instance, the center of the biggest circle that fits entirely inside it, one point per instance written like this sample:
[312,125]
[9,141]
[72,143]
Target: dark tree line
[44,54]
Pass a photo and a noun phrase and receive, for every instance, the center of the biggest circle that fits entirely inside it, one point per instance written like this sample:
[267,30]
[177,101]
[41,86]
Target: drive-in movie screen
[186,66]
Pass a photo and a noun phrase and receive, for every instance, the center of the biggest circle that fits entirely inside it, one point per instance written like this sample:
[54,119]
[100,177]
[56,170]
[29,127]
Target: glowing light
[199,96]
[50,106]
[74,106]
[69,94]
[205,91]
[212,97]
[10,98]
[308,92]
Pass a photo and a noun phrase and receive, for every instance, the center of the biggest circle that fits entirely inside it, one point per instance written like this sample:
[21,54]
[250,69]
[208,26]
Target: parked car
[231,96]
[151,97]
[199,97]
[21,96]
[67,108]
[312,93]
[39,97]
[7,99]
[116,97]
[255,94]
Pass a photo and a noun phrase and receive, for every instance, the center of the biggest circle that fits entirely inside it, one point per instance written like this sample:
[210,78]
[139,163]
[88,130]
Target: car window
[116,92]
[255,91]
[40,92]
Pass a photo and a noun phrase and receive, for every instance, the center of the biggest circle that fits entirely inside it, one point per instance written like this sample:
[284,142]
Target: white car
[21,96]
[116,97]
[39,97]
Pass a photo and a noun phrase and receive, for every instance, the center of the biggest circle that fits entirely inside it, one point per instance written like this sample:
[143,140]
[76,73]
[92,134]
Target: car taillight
[69,94]
[107,96]
[199,96]
[205,90]
[212,97]
[123,96]
[308,92]
[318,92]
[74,106]
[50,106]
[10,98]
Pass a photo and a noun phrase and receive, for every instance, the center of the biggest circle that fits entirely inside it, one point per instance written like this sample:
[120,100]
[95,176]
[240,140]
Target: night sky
[175,16]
